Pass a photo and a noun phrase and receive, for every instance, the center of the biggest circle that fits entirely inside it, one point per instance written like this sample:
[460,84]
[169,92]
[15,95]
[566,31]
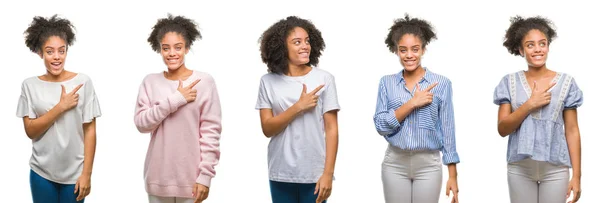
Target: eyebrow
[534,41]
[180,43]
[415,46]
[53,47]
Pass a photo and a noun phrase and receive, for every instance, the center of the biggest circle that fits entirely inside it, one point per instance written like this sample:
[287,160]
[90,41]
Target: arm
[509,121]
[573,140]
[273,125]
[448,130]
[35,127]
[149,116]
[210,133]
[386,120]
[89,147]
[331,141]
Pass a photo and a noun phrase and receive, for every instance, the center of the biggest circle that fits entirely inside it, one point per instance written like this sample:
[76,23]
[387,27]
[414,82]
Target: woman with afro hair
[415,114]
[538,110]
[298,112]
[181,110]
[59,111]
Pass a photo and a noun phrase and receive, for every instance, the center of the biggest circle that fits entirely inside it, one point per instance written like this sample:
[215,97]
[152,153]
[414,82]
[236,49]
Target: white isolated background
[111,47]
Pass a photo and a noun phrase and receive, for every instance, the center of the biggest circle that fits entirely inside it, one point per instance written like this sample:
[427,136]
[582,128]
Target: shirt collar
[426,77]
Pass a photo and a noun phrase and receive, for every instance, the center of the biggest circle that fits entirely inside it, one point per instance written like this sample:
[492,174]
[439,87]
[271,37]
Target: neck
[56,78]
[177,73]
[415,74]
[537,71]
[298,70]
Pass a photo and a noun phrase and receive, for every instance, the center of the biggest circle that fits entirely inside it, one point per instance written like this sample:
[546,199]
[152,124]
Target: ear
[521,52]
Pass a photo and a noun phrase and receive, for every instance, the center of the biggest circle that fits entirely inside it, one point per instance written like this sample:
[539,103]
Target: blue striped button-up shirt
[430,127]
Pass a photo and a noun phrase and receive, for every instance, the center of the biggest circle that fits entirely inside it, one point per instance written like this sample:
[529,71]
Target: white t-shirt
[297,154]
[57,155]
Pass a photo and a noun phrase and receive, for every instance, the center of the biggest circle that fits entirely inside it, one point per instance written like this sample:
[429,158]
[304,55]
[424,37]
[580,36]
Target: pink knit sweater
[184,147]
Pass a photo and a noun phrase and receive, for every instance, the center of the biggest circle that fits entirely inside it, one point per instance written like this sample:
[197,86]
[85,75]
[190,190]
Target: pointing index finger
[76,88]
[431,87]
[317,89]
[550,87]
[193,83]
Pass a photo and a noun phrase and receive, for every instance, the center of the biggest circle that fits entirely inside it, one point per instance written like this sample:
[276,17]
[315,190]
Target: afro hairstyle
[519,27]
[42,28]
[408,25]
[178,24]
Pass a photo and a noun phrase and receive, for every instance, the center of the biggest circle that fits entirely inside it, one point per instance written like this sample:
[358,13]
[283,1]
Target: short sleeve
[25,106]
[574,98]
[501,93]
[91,108]
[330,98]
[263,101]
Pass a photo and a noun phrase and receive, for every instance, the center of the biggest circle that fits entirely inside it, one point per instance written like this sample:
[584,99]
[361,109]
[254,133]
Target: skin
[173,51]
[298,44]
[410,50]
[53,53]
[535,48]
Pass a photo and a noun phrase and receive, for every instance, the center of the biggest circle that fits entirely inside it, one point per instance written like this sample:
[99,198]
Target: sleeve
[330,98]
[210,133]
[263,101]
[25,105]
[385,118]
[91,108]
[148,116]
[574,98]
[502,92]
[446,116]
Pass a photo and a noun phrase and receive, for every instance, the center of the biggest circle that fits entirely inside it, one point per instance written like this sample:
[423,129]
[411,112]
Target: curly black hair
[519,27]
[273,45]
[408,25]
[42,28]
[180,25]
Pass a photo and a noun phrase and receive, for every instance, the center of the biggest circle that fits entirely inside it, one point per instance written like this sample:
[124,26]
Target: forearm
[511,122]
[89,147]
[331,147]
[149,116]
[574,144]
[402,112]
[34,128]
[275,124]
[452,173]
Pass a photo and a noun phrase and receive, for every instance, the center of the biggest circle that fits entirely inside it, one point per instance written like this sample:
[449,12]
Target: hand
[574,186]
[323,187]
[452,185]
[308,100]
[539,98]
[422,98]
[68,100]
[188,92]
[83,186]
[200,192]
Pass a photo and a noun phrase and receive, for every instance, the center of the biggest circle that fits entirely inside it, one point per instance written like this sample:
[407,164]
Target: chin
[174,67]
[55,72]
[410,68]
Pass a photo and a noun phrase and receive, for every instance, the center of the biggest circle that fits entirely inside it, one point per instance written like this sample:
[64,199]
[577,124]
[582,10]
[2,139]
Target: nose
[537,48]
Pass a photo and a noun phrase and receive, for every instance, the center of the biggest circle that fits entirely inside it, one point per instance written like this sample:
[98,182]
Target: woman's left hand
[452,185]
[200,193]
[323,187]
[574,186]
[83,186]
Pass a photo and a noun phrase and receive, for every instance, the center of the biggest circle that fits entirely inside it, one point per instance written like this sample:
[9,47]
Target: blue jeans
[45,191]
[293,192]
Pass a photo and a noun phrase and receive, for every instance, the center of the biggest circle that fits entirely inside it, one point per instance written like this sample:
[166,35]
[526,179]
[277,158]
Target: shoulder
[152,77]
[204,77]
[30,80]
[389,78]
[269,77]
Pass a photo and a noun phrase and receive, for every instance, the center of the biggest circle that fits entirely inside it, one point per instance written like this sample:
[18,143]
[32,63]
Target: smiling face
[410,50]
[534,48]
[54,53]
[298,46]
[173,50]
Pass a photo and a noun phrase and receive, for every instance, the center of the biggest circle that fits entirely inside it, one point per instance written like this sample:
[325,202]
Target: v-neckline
[527,87]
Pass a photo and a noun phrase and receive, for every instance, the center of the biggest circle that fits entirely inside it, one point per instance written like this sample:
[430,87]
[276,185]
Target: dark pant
[45,191]
[293,192]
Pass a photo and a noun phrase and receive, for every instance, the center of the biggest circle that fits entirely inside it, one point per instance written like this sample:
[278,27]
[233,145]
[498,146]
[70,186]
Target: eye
[296,42]
[177,48]
[529,45]
[402,50]
[415,50]
[49,52]
[543,44]
[62,51]
[165,49]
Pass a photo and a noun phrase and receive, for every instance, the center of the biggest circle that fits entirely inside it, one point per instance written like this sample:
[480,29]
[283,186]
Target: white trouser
[157,199]
[533,181]
[411,176]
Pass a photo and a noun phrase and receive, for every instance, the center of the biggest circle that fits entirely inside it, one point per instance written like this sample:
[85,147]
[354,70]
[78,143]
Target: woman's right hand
[68,100]
[308,100]
[422,98]
[188,92]
[539,98]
